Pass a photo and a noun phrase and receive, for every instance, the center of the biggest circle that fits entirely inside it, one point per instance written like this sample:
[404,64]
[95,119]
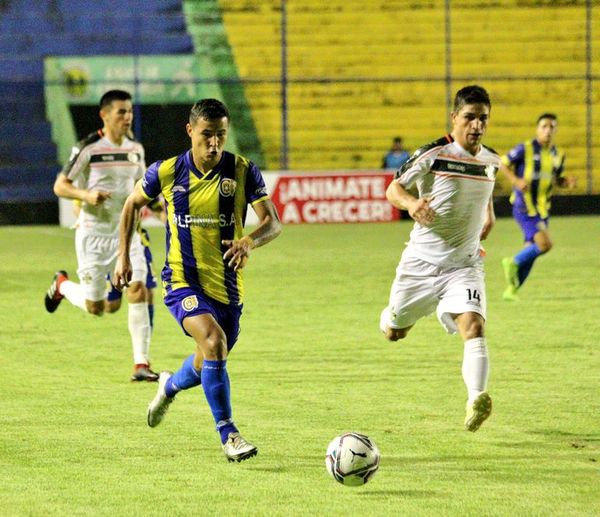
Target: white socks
[74,293]
[139,328]
[475,366]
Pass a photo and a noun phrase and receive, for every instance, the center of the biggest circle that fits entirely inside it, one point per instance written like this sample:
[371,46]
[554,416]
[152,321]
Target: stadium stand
[212,48]
[33,29]
[359,75]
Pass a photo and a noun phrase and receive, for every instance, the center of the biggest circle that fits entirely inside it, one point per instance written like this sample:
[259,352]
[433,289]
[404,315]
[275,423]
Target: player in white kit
[442,266]
[101,173]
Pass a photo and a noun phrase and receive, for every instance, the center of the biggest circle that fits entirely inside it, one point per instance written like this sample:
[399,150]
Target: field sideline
[309,365]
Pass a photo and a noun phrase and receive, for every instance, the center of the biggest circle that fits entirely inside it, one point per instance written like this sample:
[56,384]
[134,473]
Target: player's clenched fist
[96,197]
[422,212]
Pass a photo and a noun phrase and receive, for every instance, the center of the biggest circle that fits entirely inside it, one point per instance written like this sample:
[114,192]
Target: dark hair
[397,139]
[114,95]
[551,116]
[471,95]
[209,109]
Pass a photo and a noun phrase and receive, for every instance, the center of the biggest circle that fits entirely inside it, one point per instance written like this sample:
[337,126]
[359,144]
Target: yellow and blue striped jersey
[540,167]
[202,210]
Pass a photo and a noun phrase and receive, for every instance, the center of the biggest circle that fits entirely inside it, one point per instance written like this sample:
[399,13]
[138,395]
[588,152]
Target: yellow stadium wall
[360,73]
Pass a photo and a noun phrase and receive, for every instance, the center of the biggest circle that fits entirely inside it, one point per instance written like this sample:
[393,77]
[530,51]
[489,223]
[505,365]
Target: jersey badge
[227,187]
[189,303]
[490,171]
[133,157]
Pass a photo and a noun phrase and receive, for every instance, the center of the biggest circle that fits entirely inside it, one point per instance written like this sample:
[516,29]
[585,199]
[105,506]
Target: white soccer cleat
[160,403]
[238,449]
[478,411]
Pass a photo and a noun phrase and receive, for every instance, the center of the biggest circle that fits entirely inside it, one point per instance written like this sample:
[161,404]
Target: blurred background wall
[311,85]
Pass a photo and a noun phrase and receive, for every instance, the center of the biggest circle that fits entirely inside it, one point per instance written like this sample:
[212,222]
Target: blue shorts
[189,301]
[150,278]
[530,224]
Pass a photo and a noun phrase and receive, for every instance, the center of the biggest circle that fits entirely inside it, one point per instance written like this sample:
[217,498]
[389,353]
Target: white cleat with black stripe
[238,449]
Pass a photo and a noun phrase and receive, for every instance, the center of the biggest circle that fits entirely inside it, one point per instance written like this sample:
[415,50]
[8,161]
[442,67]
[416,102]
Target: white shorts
[97,256]
[420,288]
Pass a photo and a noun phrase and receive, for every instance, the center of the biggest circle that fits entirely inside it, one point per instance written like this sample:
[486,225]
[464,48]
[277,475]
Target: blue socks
[185,378]
[215,382]
[525,259]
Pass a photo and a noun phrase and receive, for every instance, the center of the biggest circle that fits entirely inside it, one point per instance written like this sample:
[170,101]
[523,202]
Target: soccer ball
[352,459]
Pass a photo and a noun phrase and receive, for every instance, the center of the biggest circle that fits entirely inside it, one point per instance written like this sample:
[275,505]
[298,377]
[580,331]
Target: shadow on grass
[472,459]
[587,437]
[275,470]
[398,493]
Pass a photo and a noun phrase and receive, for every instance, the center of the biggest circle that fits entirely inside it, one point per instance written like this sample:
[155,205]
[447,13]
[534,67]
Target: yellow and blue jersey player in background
[534,168]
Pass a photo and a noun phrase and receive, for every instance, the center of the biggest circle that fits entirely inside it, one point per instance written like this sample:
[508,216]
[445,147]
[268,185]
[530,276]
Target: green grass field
[310,363]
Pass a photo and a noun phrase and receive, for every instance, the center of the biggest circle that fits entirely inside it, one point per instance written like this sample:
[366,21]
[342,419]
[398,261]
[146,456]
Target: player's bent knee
[113,306]
[471,327]
[95,308]
[136,292]
[543,242]
[213,343]
[395,334]
[215,348]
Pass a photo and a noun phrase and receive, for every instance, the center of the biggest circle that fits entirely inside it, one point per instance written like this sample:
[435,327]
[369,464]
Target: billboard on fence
[335,197]
[326,197]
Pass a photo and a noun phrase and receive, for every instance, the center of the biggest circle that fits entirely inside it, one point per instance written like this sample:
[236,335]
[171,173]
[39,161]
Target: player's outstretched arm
[269,228]
[129,214]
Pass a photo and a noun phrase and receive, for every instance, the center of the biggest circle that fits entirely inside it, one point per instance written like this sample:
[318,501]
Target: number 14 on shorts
[473,294]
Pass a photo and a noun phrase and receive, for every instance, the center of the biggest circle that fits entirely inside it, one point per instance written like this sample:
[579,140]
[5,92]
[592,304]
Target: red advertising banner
[333,198]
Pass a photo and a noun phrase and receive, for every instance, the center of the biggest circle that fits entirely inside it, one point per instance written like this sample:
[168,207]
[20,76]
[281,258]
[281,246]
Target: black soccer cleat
[143,373]
[53,297]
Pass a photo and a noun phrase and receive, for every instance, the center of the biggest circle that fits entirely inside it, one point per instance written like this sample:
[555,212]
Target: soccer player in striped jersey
[442,265]
[101,174]
[206,192]
[533,168]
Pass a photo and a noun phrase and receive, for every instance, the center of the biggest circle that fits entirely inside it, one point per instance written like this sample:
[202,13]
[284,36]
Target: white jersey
[462,186]
[98,164]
